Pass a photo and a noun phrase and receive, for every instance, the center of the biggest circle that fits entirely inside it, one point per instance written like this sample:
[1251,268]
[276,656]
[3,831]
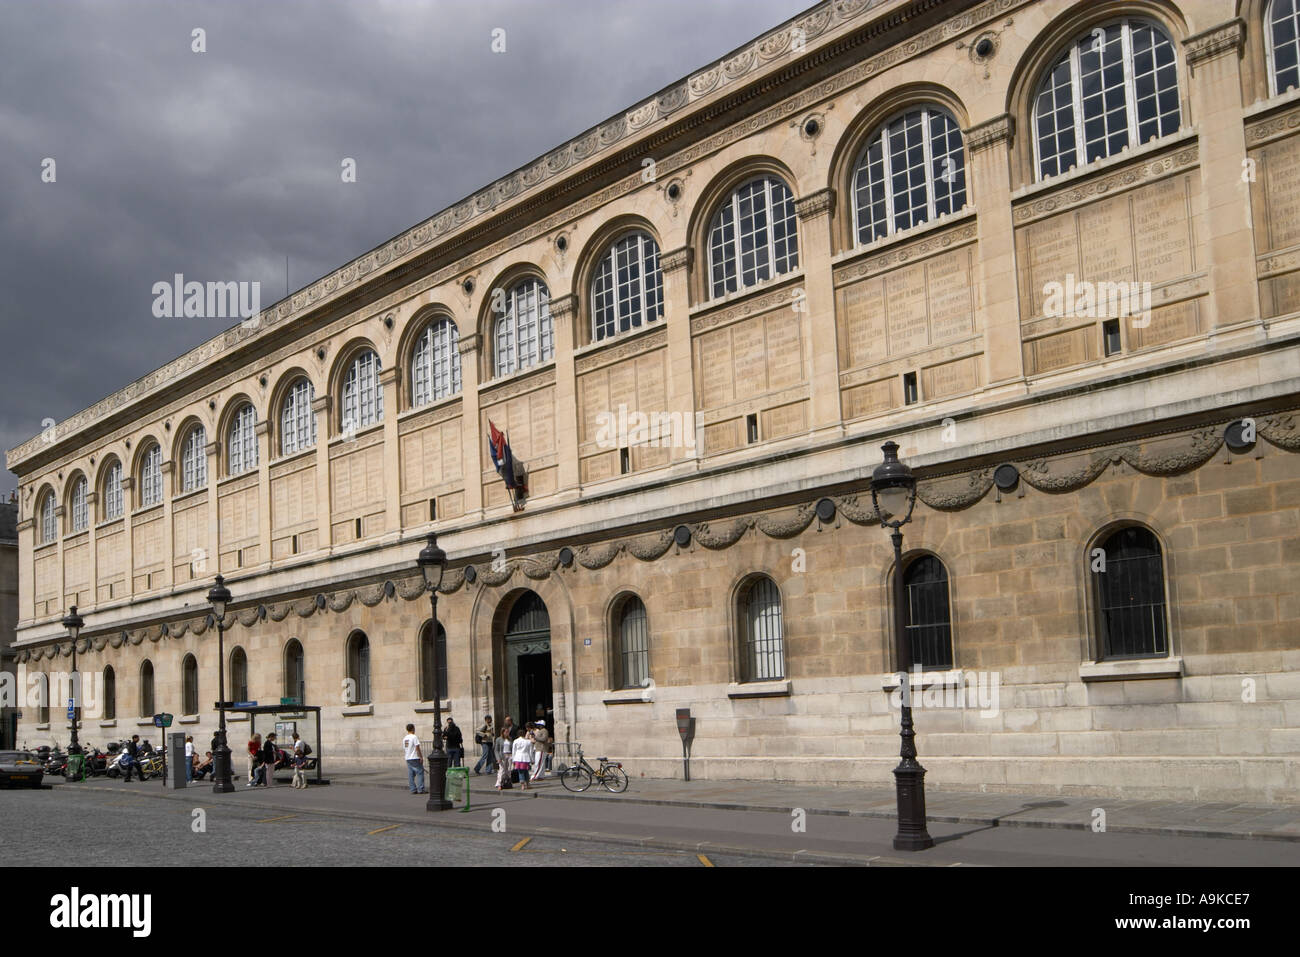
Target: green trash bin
[457,786]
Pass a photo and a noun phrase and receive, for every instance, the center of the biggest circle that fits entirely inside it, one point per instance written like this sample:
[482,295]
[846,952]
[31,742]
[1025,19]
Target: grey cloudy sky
[219,165]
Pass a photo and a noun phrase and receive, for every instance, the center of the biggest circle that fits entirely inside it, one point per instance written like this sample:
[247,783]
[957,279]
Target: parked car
[20,769]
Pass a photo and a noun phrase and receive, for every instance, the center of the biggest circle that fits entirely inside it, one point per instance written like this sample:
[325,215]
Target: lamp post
[893,493]
[433,563]
[72,623]
[219,598]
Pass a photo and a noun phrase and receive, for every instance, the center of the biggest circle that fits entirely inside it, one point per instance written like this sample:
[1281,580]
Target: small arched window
[524,336]
[752,236]
[42,698]
[297,421]
[194,460]
[763,651]
[359,668]
[238,675]
[1114,88]
[151,476]
[243,440]
[190,685]
[435,365]
[912,170]
[146,689]
[363,398]
[627,290]
[80,513]
[1130,595]
[49,522]
[295,671]
[110,693]
[926,612]
[426,662]
[113,492]
[633,644]
[1283,46]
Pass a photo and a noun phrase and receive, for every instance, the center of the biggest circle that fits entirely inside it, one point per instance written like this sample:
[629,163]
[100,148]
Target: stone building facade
[1051,248]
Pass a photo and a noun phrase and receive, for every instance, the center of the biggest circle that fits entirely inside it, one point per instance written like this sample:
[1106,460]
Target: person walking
[269,758]
[541,741]
[132,761]
[414,761]
[299,761]
[484,737]
[189,759]
[522,753]
[455,745]
[254,758]
[501,749]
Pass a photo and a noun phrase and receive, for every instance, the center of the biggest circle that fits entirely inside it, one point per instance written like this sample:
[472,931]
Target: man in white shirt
[189,758]
[522,752]
[414,761]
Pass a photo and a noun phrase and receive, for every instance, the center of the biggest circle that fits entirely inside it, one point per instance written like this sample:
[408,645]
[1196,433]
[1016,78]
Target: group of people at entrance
[516,755]
[265,756]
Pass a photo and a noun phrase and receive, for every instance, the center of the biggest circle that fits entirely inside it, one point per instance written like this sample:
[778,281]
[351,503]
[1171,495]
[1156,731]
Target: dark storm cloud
[220,164]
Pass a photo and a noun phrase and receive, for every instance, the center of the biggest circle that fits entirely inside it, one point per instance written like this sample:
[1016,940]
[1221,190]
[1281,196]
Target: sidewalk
[1222,820]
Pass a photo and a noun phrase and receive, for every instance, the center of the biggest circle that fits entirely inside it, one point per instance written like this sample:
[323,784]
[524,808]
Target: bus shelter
[279,710]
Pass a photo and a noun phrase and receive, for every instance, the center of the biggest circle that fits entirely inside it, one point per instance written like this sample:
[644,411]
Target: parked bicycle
[578,777]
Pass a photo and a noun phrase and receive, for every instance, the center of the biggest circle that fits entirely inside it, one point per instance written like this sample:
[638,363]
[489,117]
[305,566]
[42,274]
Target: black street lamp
[433,564]
[72,623]
[219,598]
[893,493]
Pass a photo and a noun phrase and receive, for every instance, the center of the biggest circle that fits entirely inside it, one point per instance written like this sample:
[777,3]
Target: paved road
[137,827]
[346,824]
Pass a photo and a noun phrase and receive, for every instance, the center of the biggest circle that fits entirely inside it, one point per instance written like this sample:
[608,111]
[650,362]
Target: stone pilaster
[680,388]
[390,380]
[471,440]
[818,308]
[564,311]
[321,407]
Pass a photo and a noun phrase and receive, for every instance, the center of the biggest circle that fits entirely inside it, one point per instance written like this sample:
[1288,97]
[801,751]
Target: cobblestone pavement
[88,827]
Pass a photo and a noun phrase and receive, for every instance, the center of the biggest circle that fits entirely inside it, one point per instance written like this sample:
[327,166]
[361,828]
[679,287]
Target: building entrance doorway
[528,659]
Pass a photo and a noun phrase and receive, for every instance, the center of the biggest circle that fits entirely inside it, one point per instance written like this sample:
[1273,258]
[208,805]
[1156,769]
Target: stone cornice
[1000,129]
[827,24]
[815,204]
[1229,37]
[467,344]
[562,307]
[674,259]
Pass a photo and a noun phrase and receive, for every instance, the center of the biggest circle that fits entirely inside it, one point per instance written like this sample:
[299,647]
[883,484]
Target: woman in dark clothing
[455,745]
[268,760]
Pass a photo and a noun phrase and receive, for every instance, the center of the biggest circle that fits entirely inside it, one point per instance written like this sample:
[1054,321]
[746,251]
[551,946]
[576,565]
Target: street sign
[162,720]
[244,704]
[72,708]
[294,700]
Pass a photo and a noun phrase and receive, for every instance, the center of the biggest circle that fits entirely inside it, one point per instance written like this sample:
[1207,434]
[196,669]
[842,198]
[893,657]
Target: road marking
[704,860]
[270,819]
[521,844]
[380,830]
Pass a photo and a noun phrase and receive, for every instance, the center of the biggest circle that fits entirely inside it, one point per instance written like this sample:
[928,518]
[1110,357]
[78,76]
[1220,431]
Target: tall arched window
[627,290]
[42,698]
[435,366]
[912,170]
[633,644]
[80,513]
[146,689]
[1130,595]
[763,652]
[752,236]
[194,459]
[523,332]
[363,398]
[151,476]
[113,492]
[295,671]
[359,667]
[49,522]
[1283,46]
[110,693]
[189,685]
[926,612]
[243,440]
[297,421]
[238,675]
[1114,88]
[426,662]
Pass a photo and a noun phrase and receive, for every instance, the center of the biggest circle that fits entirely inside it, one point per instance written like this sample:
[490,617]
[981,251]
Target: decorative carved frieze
[1093,188]
[815,204]
[675,259]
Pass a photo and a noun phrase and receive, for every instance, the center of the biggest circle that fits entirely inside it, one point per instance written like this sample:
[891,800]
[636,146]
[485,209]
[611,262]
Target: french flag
[499,449]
